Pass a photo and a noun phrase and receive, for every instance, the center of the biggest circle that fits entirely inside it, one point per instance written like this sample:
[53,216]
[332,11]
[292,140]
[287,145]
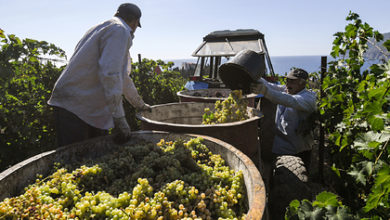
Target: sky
[173,29]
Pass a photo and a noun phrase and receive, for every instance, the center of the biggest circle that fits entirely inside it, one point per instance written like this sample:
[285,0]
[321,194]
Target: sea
[283,64]
[280,64]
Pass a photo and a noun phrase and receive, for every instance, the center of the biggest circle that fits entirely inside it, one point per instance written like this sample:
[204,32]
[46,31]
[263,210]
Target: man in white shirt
[295,104]
[87,96]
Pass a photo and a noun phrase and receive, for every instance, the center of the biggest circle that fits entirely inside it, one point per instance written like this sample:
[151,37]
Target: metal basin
[211,96]
[186,117]
[14,179]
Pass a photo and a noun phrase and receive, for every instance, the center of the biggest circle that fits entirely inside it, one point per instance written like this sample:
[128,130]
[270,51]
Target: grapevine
[167,180]
[356,118]
[233,108]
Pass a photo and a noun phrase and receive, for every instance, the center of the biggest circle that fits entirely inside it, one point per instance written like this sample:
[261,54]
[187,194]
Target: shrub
[26,80]
[156,84]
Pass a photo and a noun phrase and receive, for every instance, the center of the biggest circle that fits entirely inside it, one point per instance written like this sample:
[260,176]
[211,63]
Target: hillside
[373,53]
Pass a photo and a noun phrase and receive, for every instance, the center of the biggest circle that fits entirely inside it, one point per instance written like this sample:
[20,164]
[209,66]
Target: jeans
[71,129]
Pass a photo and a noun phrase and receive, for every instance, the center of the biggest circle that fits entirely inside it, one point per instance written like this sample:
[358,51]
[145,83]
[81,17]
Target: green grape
[232,109]
[167,180]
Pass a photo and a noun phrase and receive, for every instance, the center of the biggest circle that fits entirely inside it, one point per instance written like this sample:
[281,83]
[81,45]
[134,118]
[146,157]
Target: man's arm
[302,102]
[113,50]
[114,46]
[130,91]
[273,86]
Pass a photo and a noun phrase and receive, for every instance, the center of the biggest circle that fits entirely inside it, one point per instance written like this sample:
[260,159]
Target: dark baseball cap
[129,11]
[297,73]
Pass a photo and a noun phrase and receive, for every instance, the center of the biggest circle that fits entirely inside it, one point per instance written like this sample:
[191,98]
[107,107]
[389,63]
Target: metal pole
[268,58]
[211,67]
[201,68]
[217,63]
[322,129]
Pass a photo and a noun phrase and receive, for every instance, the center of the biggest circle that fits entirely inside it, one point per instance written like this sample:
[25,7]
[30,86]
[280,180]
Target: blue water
[281,64]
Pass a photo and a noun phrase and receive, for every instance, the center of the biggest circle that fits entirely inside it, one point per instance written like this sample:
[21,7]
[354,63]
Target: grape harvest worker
[295,105]
[87,97]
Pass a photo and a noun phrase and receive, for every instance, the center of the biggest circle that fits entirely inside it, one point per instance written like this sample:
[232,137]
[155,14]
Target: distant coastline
[283,64]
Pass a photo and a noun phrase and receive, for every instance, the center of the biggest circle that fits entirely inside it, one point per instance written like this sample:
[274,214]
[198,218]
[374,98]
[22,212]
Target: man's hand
[122,131]
[146,107]
[256,112]
[258,88]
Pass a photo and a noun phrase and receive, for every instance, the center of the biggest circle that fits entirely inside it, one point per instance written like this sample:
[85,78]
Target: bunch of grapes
[167,180]
[233,108]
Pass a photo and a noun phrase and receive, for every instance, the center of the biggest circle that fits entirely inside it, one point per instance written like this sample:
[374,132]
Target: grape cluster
[233,108]
[167,180]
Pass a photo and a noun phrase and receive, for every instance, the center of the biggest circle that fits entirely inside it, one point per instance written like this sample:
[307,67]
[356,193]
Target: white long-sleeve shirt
[92,84]
[292,111]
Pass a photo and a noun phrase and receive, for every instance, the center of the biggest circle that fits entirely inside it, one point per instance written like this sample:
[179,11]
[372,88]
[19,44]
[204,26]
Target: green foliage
[356,117]
[156,83]
[379,195]
[326,206]
[26,81]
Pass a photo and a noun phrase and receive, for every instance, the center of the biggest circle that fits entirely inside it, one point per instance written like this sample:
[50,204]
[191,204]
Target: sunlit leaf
[326,198]
[295,203]
[359,176]
[386,44]
[380,190]
[337,171]
[2,35]
[371,136]
[376,123]
[377,92]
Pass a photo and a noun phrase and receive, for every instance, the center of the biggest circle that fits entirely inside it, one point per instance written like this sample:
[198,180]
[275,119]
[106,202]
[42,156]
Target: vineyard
[354,110]
[27,123]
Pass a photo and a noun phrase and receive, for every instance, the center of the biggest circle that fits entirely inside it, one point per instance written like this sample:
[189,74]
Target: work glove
[258,87]
[121,131]
[145,107]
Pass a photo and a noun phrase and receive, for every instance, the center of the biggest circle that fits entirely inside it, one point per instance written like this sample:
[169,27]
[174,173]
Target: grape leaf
[326,198]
